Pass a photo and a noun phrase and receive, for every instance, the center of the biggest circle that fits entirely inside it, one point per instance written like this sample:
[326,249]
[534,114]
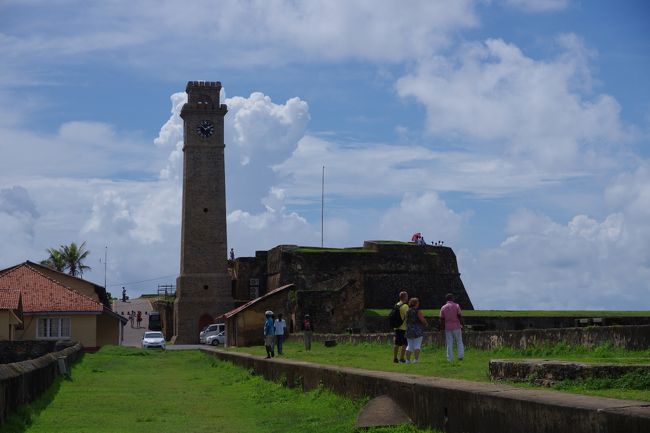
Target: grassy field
[525,313]
[123,389]
[475,365]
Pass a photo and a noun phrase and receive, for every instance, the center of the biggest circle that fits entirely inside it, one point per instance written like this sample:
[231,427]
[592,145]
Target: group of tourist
[135,317]
[409,335]
[275,330]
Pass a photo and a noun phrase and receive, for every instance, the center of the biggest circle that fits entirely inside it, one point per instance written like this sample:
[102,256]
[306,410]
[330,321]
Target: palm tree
[55,261]
[74,256]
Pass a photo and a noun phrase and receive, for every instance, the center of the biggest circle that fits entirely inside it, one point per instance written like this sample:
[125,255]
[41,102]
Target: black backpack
[394,317]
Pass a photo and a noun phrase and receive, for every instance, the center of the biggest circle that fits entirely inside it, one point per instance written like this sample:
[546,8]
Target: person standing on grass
[307,331]
[400,331]
[279,325]
[269,334]
[415,323]
[451,323]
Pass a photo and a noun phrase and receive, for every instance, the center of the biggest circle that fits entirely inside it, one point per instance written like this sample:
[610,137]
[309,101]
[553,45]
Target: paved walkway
[133,336]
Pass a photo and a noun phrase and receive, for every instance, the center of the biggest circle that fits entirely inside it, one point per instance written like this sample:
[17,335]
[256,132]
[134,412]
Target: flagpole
[105,258]
[322,207]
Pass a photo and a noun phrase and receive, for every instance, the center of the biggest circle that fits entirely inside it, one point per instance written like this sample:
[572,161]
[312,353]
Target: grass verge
[123,389]
[475,365]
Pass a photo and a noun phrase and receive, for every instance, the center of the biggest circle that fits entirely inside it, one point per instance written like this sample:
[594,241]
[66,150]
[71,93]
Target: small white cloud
[425,213]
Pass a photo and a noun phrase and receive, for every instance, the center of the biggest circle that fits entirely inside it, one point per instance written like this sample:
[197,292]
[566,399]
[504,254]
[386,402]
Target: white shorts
[414,344]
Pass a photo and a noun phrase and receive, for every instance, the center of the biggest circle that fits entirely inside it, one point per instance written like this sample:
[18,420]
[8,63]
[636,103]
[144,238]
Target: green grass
[394,243]
[129,390]
[312,250]
[475,365]
[524,313]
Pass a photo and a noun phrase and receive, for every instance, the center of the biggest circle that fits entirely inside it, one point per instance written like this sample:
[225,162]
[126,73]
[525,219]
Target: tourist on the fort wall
[269,334]
[232,254]
[279,325]
[400,331]
[451,323]
[415,323]
[307,331]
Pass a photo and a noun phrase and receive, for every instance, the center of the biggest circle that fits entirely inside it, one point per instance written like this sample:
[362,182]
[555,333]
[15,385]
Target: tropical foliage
[68,258]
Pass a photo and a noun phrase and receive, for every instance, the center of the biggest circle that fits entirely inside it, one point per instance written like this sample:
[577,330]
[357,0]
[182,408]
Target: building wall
[246,328]
[4,325]
[247,268]
[166,310]
[333,309]
[428,272]
[108,330]
[83,328]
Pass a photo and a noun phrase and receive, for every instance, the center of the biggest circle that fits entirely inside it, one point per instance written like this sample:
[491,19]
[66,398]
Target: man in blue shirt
[269,334]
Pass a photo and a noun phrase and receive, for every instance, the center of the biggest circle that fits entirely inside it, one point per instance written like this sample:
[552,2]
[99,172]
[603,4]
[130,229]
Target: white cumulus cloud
[492,96]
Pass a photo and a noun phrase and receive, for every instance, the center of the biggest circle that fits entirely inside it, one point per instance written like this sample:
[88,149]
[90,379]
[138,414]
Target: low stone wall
[625,337]
[17,351]
[457,406]
[374,324]
[543,372]
[23,382]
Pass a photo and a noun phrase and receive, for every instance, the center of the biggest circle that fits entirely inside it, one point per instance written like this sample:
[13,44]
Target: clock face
[205,129]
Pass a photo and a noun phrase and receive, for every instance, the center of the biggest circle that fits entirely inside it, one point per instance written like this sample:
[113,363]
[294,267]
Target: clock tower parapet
[203,96]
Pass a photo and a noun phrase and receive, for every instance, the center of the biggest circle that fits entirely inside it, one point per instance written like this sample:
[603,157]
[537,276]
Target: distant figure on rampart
[451,323]
[232,254]
[418,239]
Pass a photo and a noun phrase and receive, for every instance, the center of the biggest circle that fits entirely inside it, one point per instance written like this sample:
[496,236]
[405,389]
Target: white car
[209,330]
[217,339]
[153,339]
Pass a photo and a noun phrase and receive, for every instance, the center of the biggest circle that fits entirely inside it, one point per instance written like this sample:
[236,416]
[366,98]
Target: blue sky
[514,130]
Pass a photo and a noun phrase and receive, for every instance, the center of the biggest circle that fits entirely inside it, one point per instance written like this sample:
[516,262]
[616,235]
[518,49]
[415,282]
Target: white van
[209,330]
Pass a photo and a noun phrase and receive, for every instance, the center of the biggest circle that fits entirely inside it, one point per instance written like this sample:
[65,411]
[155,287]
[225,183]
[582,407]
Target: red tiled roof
[9,299]
[43,294]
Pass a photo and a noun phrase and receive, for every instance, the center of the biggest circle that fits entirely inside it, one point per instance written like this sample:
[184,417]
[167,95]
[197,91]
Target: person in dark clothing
[415,323]
[307,331]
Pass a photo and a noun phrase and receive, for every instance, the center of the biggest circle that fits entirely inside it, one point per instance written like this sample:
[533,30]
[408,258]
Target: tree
[74,256]
[55,261]
[68,257]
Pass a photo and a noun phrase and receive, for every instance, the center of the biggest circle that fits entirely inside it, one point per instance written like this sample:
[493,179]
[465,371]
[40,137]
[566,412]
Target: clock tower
[203,287]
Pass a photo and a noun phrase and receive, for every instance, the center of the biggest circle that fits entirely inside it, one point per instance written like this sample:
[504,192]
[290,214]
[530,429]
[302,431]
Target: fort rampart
[23,382]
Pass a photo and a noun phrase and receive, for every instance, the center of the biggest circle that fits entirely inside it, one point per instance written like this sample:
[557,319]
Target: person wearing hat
[307,330]
[269,334]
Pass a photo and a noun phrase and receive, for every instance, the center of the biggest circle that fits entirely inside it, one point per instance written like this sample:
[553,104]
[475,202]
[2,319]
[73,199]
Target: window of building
[54,327]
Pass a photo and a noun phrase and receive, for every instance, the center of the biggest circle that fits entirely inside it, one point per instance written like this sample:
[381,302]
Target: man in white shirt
[279,326]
